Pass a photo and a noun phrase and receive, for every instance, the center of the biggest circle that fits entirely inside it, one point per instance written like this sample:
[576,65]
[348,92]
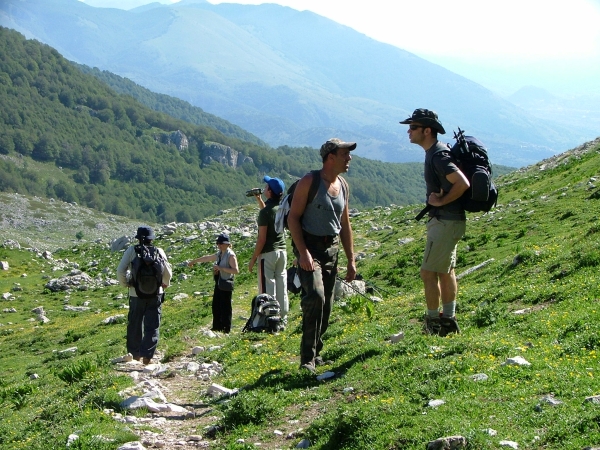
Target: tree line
[101,148]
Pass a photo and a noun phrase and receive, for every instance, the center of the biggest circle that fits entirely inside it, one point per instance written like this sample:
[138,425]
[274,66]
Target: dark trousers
[142,326]
[221,310]
[318,289]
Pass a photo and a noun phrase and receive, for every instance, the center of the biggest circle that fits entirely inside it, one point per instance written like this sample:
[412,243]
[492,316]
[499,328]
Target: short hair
[334,152]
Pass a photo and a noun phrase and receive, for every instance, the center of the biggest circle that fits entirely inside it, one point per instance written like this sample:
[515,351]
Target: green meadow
[528,288]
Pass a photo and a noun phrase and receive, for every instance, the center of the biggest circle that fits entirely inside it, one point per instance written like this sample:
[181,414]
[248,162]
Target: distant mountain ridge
[289,77]
[65,134]
[174,107]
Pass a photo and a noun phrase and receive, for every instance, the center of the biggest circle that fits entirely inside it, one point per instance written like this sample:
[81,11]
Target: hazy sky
[503,45]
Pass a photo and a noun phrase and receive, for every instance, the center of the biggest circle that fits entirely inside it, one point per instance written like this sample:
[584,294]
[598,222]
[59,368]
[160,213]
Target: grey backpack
[265,315]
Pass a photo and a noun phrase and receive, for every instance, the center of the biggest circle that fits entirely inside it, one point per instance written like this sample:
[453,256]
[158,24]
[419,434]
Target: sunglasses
[416,127]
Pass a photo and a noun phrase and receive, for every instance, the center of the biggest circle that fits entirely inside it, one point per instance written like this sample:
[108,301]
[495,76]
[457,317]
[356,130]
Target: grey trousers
[318,299]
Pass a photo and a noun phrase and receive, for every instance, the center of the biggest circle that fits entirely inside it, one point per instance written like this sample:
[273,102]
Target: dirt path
[181,421]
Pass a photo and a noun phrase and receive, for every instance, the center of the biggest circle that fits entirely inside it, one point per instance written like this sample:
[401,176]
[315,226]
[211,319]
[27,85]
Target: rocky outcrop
[212,151]
[176,137]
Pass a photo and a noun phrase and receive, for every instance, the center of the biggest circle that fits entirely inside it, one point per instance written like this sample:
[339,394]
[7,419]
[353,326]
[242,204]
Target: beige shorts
[442,237]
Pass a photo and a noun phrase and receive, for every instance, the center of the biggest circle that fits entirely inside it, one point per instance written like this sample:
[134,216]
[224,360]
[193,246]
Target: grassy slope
[544,241]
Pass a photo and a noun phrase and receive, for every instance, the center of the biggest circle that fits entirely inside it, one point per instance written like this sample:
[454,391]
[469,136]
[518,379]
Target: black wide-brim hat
[427,118]
[145,232]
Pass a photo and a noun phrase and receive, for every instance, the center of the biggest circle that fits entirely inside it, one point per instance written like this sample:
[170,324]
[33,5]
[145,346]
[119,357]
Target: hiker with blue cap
[270,249]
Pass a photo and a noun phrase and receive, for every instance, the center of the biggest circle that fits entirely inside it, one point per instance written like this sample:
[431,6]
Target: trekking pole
[378,289]
[462,142]
[353,288]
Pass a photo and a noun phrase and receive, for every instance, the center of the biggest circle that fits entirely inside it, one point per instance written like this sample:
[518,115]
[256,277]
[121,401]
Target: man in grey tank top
[317,225]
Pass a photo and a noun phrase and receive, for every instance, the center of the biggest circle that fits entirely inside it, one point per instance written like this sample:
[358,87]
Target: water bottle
[253,192]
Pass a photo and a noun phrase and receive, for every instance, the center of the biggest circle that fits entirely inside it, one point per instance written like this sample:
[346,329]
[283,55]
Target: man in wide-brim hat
[447,221]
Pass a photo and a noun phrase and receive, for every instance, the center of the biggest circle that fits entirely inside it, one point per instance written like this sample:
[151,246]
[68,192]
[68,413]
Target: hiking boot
[319,361]
[449,325]
[146,361]
[432,325]
[137,358]
[310,367]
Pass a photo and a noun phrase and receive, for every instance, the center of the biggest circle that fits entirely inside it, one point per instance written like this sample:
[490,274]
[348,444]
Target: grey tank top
[323,216]
[223,261]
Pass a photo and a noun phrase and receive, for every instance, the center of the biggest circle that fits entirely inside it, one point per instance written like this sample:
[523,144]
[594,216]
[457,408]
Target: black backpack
[474,163]
[265,315]
[286,202]
[147,270]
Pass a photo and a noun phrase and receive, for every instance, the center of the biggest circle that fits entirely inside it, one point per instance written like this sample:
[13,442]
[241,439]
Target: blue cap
[275,184]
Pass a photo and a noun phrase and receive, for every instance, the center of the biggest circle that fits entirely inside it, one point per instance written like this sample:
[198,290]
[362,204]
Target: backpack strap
[427,205]
[314,186]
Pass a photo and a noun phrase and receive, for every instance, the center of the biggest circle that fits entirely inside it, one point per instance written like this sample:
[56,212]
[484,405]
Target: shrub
[250,408]
[77,371]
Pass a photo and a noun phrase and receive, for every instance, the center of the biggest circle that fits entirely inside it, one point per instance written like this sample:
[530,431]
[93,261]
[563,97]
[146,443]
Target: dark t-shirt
[266,217]
[437,167]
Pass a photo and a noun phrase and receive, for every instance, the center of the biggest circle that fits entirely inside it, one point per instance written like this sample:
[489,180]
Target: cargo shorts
[442,239]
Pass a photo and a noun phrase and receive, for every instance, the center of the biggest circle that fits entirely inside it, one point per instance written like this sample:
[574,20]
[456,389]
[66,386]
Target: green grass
[545,243]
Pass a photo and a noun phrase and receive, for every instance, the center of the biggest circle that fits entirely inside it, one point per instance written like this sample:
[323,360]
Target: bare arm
[260,243]
[459,185]
[297,208]
[348,243]
[202,259]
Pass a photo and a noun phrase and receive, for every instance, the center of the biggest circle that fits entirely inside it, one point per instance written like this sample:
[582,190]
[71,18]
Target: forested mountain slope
[67,135]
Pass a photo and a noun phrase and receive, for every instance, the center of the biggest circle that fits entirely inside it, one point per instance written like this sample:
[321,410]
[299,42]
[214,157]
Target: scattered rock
[435,403]
[397,337]
[447,443]
[114,319]
[132,446]
[516,361]
[76,308]
[120,244]
[216,390]
[479,377]
[14,245]
[121,359]
[344,289]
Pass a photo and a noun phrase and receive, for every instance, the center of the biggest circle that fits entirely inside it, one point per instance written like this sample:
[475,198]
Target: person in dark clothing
[143,320]
[447,222]
[225,267]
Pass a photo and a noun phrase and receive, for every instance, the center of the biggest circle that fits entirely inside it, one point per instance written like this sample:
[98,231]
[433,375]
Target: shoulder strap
[345,187]
[314,186]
